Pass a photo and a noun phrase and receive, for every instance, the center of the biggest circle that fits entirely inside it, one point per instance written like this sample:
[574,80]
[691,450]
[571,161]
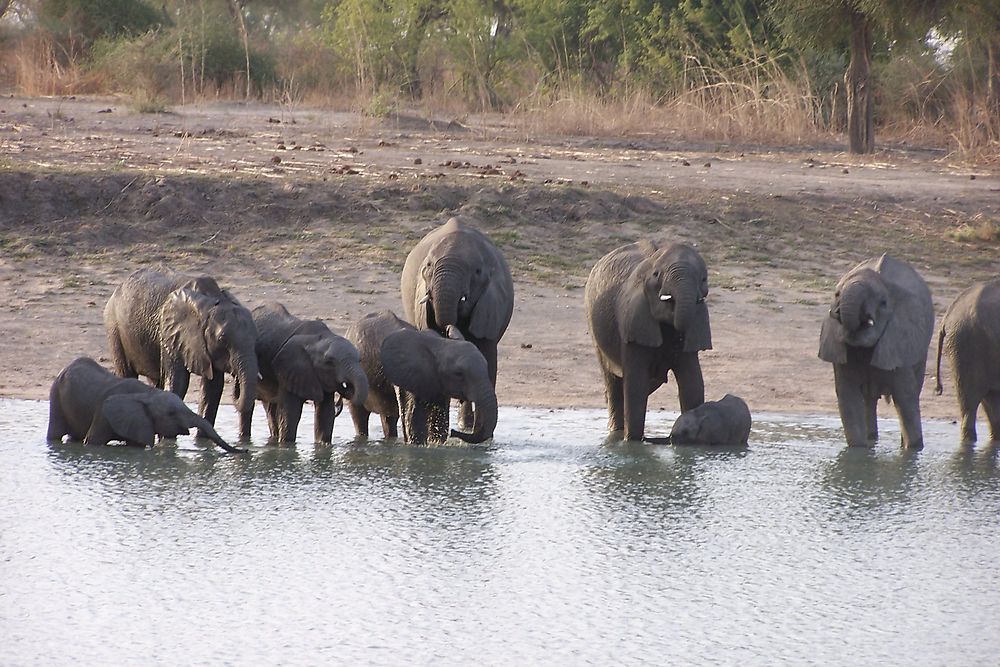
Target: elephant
[302,360]
[646,309]
[970,334]
[428,370]
[723,422]
[167,326]
[87,402]
[455,276]
[876,336]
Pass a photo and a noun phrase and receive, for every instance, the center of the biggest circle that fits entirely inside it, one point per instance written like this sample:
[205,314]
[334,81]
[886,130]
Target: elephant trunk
[358,381]
[685,294]
[485,416]
[851,300]
[445,292]
[206,430]
[245,370]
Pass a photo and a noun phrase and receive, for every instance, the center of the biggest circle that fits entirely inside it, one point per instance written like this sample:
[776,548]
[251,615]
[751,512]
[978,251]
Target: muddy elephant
[302,360]
[723,422]
[455,276]
[91,404]
[647,314]
[415,374]
[970,335]
[168,326]
[876,336]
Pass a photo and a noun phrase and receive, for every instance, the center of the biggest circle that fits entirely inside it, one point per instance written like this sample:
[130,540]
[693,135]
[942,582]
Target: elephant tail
[938,388]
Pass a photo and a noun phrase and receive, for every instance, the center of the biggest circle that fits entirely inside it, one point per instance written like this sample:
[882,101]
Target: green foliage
[88,20]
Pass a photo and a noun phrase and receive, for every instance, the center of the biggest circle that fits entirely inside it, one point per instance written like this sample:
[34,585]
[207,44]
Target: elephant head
[140,417]
[668,287]
[315,361]
[880,305]
[212,332]
[435,369]
[462,281]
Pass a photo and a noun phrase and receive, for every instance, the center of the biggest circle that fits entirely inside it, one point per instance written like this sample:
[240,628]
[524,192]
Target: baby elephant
[723,422]
[90,403]
[428,370]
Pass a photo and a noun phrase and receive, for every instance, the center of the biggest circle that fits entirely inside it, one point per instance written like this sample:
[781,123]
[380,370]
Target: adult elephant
[970,335]
[455,276]
[168,326]
[302,360]
[876,336]
[647,314]
[89,403]
[429,370]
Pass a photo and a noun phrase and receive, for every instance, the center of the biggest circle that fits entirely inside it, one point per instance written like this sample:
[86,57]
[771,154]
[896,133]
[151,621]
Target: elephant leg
[390,426]
[119,361]
[907,400]
[871,415]
[466,417]
[690,383]
[289,415]
[635,381]
[614,393]
[851,402]
[437,421]
[271,410]
[326,415]
[211,397]
[177,382]
[359,415]
[415,420]
[57,422]
[405,411]
[991,405]
[489,350]
[968,403]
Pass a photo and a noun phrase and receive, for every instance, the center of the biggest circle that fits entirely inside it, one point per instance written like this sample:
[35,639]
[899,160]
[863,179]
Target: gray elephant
[647,315]
[302,360]
[970,334]
[168,326]
[723,422]
[89,403]
[876,336]
[455,276]
[429,370]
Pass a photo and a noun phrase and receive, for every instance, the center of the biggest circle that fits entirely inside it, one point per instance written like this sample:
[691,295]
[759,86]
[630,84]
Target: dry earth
[318,210]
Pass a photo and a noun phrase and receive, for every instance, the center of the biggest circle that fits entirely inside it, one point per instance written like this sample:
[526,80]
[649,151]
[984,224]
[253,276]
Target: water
[549,547]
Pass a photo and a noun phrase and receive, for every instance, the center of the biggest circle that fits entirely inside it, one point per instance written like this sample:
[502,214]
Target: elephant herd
[647,313]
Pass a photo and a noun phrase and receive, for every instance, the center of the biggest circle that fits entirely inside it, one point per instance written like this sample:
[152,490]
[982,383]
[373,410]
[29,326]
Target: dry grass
[981,230]
[38,71]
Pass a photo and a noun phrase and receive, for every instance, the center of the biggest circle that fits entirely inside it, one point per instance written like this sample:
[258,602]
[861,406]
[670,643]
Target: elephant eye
[656,274]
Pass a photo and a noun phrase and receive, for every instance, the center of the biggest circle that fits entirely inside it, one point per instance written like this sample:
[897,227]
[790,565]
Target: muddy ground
[318,210]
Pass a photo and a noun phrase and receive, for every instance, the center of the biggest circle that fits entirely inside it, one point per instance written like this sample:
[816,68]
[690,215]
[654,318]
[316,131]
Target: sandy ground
[318,210]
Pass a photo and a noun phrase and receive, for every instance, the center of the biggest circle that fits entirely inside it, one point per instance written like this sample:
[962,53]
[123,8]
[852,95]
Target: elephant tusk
[338,406]
[464,298]
[427,297]
[665,297]
[870,322]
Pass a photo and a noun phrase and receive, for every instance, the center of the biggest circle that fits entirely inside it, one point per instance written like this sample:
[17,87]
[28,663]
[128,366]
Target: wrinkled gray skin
[302,360]
[429,370]
[455,276]
[876,336]
[89,403]
[970,335]
[647,315]
[169,326]
[723,422]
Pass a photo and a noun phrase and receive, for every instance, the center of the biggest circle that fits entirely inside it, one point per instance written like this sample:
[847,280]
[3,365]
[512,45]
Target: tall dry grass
[38,70]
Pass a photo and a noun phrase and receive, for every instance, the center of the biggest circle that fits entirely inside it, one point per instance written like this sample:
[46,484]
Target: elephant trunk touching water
[484,401]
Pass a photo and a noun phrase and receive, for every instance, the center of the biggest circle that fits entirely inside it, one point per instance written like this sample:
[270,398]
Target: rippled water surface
[549,547]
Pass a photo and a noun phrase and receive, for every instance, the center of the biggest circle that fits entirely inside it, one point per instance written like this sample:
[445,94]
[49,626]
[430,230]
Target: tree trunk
[236,10]
[860,126]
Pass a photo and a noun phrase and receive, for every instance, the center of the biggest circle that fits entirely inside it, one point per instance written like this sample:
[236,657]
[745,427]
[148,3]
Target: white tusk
[665,297]
[427,297]
[344,385]
[463,299]
[870,322]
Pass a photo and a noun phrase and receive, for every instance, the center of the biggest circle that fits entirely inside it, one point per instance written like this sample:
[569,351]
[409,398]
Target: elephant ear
[635,320]
[699,332]
[127,416]
[488,319]
[182,329]
[293,365]
[831,342]
[410,365]
[908,332]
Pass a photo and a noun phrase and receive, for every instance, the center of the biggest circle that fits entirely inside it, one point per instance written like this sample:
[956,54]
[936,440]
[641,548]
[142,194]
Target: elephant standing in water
[647,315]
[302,360]
[970,334]
[89,403]
[429,370]
[168,326]
[876,336]
[455,276]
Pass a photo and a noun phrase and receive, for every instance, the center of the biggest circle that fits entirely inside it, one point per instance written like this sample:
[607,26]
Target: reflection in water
[548,547]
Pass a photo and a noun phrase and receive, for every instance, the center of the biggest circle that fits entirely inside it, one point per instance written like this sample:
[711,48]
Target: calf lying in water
[723,422]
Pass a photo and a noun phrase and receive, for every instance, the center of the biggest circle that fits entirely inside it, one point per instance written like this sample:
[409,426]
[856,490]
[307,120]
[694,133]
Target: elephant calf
[970,335]
[90,403]
[302,360]
[723,422]
[429,370]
